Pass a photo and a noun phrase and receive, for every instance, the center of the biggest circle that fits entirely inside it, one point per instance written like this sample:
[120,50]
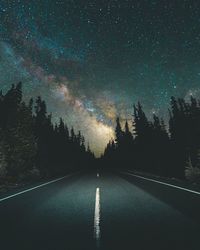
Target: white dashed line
[97,232]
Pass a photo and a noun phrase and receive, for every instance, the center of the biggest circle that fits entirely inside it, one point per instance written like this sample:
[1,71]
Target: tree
[29,140]
[21,144]
[118,133]
[140,122]
[128,138]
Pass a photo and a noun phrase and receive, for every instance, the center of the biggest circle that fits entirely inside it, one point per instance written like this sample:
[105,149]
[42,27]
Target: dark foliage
[31,143]
[151,148]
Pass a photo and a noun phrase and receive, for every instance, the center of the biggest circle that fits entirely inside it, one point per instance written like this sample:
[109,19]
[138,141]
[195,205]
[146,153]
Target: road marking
[30,189]
[163,183]
[97,175]
[97,232]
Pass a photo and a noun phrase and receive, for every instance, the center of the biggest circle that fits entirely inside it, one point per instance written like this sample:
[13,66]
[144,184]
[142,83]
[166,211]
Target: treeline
[31,145]
[151,146]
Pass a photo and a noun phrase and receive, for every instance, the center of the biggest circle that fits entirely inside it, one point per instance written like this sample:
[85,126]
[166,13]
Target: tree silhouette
[30,140]
[119,133]
[151,148]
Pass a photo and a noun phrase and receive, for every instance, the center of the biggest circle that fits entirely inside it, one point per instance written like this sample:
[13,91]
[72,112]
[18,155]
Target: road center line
[163,183]
[97,232]
[30,189]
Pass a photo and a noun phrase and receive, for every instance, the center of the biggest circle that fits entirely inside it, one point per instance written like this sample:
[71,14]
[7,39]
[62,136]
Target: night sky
[91,60]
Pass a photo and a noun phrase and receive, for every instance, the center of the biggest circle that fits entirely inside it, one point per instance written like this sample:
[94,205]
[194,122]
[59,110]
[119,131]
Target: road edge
[161,182]
[38,186]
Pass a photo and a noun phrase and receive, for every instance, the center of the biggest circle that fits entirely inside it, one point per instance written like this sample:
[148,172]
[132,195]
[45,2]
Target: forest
[151,146]
[31,145]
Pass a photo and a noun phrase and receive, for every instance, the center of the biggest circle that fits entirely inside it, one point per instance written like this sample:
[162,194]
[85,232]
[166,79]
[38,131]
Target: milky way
[91,60]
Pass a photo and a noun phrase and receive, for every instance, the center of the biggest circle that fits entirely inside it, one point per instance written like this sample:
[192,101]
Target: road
[108,211]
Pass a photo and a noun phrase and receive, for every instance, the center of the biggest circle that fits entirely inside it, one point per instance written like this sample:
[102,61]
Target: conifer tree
[118,133]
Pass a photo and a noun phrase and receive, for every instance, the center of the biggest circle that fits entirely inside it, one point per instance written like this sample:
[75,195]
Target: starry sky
[91,60]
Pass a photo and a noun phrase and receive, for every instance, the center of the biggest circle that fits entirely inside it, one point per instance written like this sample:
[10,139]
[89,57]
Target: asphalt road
[111,211]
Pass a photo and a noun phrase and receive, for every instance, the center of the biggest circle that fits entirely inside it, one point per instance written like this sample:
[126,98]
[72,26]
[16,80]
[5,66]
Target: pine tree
[72,137]
[141,125]
[21,144]
[118,133]
[30,140]
[128,138]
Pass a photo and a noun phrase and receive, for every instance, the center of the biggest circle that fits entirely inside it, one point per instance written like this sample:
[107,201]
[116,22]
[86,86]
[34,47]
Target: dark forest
[170,150]
[31,145]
